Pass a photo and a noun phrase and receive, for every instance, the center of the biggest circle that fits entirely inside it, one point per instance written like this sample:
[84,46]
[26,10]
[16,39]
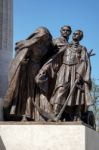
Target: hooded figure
[22,91]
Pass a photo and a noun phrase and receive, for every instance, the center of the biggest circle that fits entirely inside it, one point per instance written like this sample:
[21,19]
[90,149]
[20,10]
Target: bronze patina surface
[49,79]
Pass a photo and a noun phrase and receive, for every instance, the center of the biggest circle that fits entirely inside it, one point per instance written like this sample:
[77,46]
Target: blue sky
[79,14]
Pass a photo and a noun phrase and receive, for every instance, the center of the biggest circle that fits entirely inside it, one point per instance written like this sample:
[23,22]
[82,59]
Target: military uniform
[75,61]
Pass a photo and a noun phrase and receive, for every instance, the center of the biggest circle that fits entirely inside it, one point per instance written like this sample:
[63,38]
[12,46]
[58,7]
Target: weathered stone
[6,42]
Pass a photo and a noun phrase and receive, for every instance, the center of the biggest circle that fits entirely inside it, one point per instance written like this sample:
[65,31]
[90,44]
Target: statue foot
[76,118]
[24,118]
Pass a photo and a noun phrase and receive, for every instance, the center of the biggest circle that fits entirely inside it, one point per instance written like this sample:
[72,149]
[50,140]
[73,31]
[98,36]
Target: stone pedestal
[52,136]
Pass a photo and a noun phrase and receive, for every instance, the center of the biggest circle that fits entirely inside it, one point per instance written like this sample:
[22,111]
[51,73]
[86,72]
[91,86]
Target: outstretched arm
[25,44]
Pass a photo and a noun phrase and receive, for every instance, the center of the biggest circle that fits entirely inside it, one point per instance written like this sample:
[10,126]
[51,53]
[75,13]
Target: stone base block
[52,136]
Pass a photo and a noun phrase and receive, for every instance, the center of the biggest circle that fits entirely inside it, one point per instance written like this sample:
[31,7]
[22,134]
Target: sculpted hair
[66,27]
[81,34]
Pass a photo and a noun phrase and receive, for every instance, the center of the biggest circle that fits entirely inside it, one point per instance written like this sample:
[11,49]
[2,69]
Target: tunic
[75,61]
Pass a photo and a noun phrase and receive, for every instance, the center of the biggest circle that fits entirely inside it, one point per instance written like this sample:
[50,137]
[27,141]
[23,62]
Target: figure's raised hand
[20,45]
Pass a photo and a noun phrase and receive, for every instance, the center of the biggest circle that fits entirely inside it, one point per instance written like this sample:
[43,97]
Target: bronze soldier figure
[63,39]
[69,68]
[75,65]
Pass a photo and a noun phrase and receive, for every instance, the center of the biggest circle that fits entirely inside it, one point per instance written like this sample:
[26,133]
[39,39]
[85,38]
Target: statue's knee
[62,89]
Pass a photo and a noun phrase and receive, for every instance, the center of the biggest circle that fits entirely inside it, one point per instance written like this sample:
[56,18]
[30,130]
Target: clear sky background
[79,14]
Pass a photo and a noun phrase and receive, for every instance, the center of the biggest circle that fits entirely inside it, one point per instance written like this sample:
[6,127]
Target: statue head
[41,32]
[77,35]
[41,37]
[65,31]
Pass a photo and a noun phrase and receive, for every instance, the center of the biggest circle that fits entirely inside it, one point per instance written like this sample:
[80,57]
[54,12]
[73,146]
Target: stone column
[6,42]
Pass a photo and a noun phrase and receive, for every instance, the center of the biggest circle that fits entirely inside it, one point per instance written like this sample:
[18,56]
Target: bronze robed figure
[49,80]
[22,90]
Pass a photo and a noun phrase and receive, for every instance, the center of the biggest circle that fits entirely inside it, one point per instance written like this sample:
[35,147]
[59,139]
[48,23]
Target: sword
[65,104]
[52,116]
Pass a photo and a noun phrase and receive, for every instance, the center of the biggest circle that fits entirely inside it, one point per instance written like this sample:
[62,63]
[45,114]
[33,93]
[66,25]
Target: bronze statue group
[49,79]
